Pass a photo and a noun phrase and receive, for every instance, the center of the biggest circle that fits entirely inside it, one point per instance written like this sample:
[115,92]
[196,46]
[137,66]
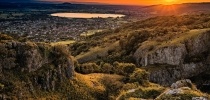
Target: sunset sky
[134,2]
[122,2]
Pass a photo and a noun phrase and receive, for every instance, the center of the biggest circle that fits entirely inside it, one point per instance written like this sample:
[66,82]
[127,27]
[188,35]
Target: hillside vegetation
[149,59]
[43,71]
[170,48]
[132,35]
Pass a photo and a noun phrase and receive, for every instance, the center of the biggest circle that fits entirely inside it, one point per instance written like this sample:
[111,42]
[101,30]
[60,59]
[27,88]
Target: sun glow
[169,2]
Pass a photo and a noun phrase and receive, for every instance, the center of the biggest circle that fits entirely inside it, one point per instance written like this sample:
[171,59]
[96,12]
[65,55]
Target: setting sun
[167,2]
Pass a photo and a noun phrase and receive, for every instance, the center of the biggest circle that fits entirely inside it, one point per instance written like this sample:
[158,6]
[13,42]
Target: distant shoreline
[87,15]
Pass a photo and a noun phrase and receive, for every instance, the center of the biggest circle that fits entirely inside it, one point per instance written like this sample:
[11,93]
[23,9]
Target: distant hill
[186,8]
[19,1]
[66,3]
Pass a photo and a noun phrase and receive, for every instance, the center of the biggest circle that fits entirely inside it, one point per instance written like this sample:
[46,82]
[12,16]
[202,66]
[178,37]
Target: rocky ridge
[175,59]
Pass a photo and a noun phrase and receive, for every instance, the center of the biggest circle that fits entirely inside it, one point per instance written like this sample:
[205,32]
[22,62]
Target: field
[67,42]
[90,33]
[96,52]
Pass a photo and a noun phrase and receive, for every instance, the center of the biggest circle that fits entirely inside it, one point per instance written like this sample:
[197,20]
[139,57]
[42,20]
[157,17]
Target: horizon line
[97,3]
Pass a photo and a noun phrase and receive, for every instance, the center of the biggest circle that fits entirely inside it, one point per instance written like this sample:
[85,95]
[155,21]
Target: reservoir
[86,15]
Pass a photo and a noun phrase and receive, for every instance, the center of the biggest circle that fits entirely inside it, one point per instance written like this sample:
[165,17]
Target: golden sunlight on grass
[67,42]
[94,80]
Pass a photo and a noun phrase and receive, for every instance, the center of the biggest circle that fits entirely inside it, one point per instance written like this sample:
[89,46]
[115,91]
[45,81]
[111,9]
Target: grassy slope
[96,52]
[165,30]
[67,42]
[94,83]
[178,29]
[177,39]
[94,80]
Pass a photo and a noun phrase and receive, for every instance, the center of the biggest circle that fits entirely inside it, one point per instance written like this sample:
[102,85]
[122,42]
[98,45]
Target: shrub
[1,86]
[79,47]
[88,68]
[129,86]
[112,87]
[123,68]
[61,50]
[140,76]
[107,68]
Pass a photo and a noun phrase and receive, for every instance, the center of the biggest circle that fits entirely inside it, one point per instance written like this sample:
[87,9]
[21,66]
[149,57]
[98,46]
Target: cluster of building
[54,29]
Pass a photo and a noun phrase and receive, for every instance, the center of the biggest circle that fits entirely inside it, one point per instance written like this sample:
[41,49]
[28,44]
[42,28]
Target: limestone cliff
[27,68]
[182,57]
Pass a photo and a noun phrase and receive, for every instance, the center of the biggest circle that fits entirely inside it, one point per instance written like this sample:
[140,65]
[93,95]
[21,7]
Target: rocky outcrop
[198,44]
[183,58]
[182,83]
[39,65]
[182,90]
[29,57]
[167,74]
[26,56]
[172,55]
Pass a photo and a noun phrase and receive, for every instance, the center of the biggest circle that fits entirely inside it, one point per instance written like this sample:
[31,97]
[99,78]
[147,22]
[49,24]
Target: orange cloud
[133,2]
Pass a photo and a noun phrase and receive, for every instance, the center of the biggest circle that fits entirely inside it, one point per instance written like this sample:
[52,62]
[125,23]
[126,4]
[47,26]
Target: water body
[86,15]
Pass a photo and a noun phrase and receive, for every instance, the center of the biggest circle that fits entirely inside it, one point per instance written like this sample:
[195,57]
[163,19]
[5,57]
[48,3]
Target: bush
[106,68]
[61,50]
[113,87]
[1,86]
[129,86]
[117,68]
[88,68]
[140,76]
[79,47]
[124,68]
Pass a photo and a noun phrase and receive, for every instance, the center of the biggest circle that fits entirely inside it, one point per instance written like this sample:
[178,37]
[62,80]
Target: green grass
[90,33]
[67,42]
[96,52]
[184,36]
[175,40]
[141,92]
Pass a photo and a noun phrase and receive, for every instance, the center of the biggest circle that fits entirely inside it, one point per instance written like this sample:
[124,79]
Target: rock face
[29,56]
[182,83]
[38,65]
[173,55]
[182,90]
[187,58]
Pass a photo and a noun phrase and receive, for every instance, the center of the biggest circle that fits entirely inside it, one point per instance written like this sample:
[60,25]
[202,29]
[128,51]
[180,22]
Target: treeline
[102,67]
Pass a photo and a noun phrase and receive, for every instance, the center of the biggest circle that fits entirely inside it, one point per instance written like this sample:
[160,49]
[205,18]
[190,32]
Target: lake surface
[86,15]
